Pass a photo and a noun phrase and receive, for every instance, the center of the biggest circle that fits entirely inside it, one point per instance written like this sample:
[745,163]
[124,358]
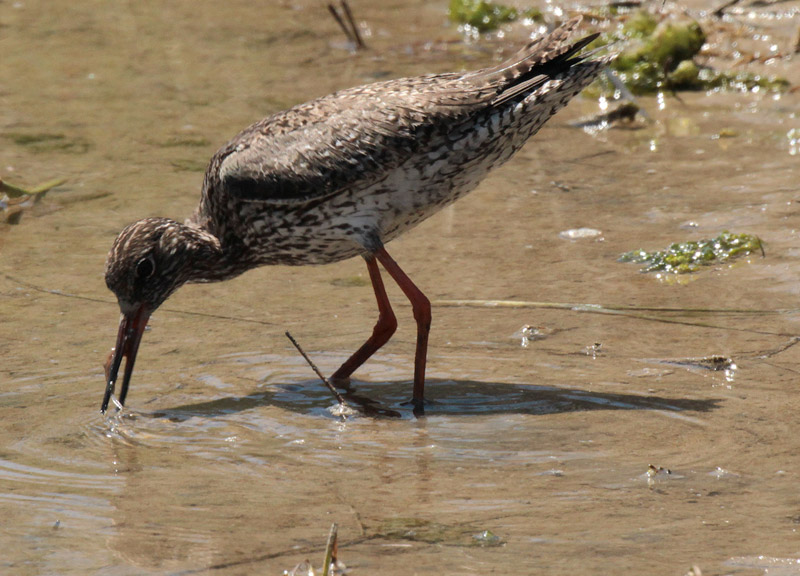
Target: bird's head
[149,260]
[145,263]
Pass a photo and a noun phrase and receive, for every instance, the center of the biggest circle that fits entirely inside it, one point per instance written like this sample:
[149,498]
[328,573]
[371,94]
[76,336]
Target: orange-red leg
[387,323]
[384,328]
[422,314]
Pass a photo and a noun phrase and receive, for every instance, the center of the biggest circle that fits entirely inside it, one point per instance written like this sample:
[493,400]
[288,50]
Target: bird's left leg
[384,328]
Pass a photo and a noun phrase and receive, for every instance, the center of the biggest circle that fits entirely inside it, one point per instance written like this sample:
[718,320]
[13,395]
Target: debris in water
[720,11]
[419,530]
[332,566]
[593,350]
[715,363]
[712,363]
[653,470]
[655,473]
[529,333]
[579,233]
[724,133]
[302,569]
[14,200]
[487,538]
[721,473]
[625,113]
[681,258]
[327,383]
[694,571]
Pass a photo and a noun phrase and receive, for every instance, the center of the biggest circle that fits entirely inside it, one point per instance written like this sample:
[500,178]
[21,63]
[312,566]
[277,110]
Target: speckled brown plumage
[343,175]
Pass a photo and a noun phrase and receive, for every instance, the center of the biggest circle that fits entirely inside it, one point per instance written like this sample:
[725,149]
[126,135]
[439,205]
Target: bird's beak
[131,328]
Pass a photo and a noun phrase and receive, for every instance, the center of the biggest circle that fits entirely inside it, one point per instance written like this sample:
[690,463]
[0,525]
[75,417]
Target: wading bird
[341,176]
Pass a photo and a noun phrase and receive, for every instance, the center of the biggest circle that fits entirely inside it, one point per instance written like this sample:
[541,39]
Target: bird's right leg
[384,328]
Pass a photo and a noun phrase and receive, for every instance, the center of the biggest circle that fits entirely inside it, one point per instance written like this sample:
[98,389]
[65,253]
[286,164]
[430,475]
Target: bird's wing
[354,138]
[349,139]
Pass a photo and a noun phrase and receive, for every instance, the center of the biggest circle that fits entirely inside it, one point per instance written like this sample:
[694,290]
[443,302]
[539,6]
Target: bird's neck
[205,259]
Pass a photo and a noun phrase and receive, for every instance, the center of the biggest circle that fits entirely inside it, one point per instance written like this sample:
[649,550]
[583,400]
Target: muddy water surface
[532,459]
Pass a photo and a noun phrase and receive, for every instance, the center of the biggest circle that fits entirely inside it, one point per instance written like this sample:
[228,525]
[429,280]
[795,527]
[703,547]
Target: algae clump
[681,258]
[486,16]
[655,50]
[659,55]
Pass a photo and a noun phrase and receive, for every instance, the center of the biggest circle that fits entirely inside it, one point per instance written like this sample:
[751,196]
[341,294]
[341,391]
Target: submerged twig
[626,112]
[624,4]
[775,351]
[316,371]
[365,405]
[627,95]
[349,27]
[720,10]
[603,308]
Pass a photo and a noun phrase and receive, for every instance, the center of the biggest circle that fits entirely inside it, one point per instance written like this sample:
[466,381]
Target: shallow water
[228,460]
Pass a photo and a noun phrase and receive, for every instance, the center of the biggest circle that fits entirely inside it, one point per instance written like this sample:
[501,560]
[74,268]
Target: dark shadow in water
[447,397]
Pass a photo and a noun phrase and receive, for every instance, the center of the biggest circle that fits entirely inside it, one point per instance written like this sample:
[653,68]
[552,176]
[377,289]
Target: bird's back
[343,174]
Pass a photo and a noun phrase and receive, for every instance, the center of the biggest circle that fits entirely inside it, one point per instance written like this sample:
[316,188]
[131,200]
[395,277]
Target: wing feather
[356,137]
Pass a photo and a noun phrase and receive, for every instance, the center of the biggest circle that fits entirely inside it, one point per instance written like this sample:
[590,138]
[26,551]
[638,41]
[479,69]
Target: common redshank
[341,176]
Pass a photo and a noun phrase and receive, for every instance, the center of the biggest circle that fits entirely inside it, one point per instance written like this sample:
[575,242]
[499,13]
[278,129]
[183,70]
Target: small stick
[345,29]
[316,370]
[330,550]
[353,27]
[351,31]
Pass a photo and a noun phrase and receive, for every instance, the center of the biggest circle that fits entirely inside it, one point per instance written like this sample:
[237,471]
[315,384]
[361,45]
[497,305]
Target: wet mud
[645,424]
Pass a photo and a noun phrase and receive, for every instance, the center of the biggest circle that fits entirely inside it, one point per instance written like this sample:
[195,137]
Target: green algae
[419,530]
[486,16]
[640,25]
[685,257]
[653,50]
[660,55]
[686,76]
[690,76]
[740,81]
[42,142]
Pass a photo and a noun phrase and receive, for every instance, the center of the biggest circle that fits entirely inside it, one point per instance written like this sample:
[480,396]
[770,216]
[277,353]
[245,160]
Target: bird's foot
[418,405]
[340,381]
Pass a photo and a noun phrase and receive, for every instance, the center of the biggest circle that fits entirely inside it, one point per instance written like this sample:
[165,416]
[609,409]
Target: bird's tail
[543,58]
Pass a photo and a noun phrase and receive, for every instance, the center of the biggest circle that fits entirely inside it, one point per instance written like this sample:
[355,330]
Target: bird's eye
[145,267]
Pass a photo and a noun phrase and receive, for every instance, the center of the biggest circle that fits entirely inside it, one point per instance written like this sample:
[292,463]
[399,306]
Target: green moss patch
[685,257]
[486,16]
[660,56]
